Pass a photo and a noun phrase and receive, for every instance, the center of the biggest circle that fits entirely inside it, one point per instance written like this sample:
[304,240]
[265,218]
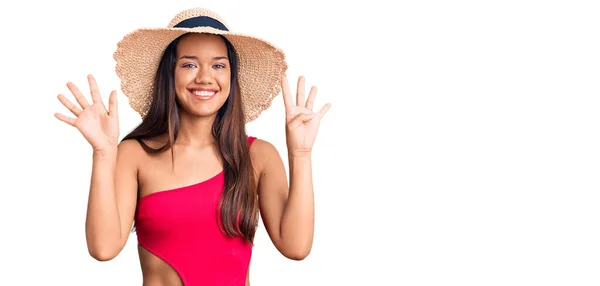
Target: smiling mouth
[204,94]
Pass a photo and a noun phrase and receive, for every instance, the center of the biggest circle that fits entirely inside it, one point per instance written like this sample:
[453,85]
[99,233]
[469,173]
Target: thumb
[299,119]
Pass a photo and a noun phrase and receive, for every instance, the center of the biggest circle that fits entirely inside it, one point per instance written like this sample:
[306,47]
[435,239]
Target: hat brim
[261,66]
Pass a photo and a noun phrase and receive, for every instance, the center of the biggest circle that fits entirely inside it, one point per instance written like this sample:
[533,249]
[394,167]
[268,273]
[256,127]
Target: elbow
[297,257]
[295,249]
[102,256]
[102,253]
[103,248]
[297,254]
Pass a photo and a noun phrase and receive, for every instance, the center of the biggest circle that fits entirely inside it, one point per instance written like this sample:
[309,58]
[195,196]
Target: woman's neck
[195,130]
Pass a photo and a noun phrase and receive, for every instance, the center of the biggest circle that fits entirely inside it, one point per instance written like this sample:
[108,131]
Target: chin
[202,113]
[204,110]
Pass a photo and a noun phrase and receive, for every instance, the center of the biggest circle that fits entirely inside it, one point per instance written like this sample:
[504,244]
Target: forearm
[102,221]
[297,222]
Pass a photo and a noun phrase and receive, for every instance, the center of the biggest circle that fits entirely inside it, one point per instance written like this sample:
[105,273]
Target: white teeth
[204,93]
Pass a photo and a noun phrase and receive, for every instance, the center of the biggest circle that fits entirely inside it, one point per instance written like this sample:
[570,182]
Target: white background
[462,147]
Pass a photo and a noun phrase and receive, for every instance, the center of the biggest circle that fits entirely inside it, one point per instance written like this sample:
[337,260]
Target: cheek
[182,78]
[224,81]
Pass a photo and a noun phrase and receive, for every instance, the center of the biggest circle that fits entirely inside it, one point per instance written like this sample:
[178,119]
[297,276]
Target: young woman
[189,176]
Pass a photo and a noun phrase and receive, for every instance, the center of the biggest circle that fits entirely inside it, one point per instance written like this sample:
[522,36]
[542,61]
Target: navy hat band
[201,21]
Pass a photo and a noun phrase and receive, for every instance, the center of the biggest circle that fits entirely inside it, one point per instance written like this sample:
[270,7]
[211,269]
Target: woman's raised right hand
[99,126]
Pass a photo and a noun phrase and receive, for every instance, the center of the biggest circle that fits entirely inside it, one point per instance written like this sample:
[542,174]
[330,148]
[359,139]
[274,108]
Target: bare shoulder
[130,151]
[264,153]
[130,147]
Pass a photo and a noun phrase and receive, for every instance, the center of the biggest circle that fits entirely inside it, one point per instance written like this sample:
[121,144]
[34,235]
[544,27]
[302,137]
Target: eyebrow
[196,58]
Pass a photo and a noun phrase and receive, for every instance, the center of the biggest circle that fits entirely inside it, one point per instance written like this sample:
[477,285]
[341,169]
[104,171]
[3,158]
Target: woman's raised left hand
[302,123]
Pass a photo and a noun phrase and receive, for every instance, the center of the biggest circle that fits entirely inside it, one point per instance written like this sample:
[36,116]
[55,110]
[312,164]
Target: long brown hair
[238,206]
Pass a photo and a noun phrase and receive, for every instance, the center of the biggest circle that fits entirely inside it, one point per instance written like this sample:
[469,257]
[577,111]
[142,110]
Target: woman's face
[202,74]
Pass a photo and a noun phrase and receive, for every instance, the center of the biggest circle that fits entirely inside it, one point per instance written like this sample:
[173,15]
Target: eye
[219,66]
[189,65]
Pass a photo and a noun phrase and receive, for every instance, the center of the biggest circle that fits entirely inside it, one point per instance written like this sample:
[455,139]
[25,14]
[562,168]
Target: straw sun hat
[260,66]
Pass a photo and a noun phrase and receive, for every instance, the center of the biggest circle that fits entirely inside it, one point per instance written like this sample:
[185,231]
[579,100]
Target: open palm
[302,123]
[99,126]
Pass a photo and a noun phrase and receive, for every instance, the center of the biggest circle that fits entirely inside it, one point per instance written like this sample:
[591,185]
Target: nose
[204,76]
